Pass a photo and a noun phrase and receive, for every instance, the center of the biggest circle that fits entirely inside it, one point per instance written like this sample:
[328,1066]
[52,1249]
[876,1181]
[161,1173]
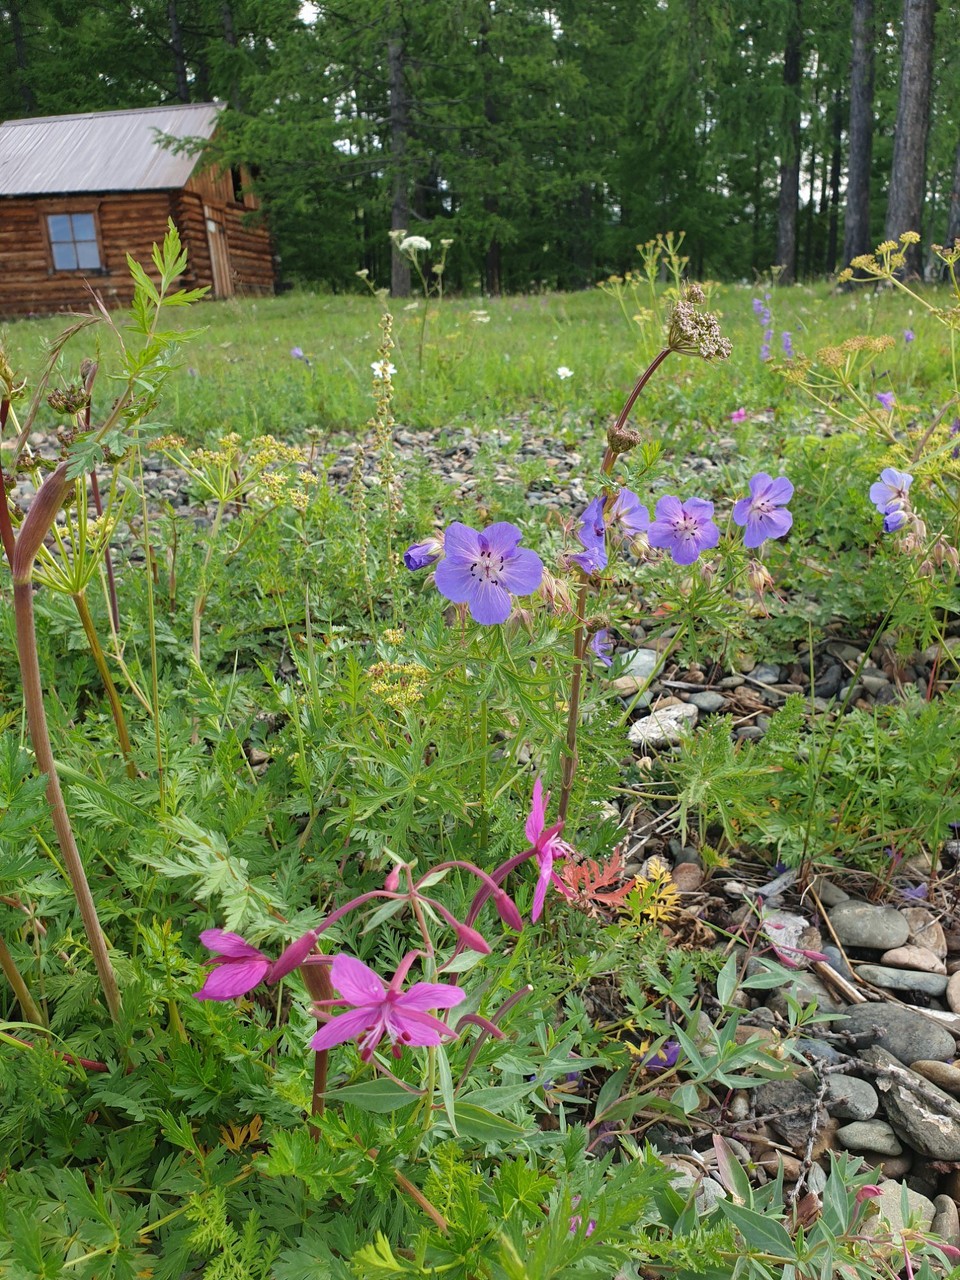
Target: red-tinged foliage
[591,883]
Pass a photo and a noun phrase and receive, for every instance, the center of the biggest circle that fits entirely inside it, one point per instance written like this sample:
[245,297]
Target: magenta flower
[483,570]
[235,969]
[593,538]
[378,1011]
[628,515]
[547,845]
[738,415]
[887,399]
[684,528]
[601,645]
[764,513]
[892,491]
[421,554]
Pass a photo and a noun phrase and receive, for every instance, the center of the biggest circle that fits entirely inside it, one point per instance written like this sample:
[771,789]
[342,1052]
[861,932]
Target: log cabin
[80,192]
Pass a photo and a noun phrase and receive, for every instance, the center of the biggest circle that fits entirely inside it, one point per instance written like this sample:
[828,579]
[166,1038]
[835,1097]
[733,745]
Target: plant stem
[573,712]
[42,513]
[107,558]
[113,697]
[316,978]
[655,363]
[27,1004]
[484,750]
[201,601]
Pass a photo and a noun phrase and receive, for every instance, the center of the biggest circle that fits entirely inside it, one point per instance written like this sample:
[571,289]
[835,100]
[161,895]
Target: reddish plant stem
[656,362]
[88,1064]
[6,524]
[42,513]
[316,978]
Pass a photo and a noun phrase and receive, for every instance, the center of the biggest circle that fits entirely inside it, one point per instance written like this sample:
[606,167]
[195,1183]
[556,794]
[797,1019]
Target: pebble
[765,673]
[830,894]
[849,1098]
[687,877]
[905,1034]
[943,1074]
[836,961]
[946,1220]
[639,663]
[804,988]
[663,727]
[910,957]
[870,1135]
[748,733]
[925,931]
[708,701]
[889,1205]
[923,1116]
[731,682]
[861,924]
[953,993]
[931,984]
[791,1108]
[896,1166]
[629,686]
[811,1047]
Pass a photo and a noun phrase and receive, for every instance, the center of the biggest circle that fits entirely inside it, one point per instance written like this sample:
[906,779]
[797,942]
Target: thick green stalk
[37,523]
[27,1004]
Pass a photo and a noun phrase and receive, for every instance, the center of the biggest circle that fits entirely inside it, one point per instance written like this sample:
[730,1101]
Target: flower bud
[392,882]
[292,957]
[758,577]
[472,939]
[421,554]
[507,910]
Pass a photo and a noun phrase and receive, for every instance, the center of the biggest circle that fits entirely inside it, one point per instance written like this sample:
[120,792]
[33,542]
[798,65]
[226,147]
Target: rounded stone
[946,1220]
[665,726]
[943,1074]
[890,1206]
[907,1035]
[931,984]
[804,988]
[953,993]
[849,1098]
[926,931]
[870,1135]
[707,701]
[862,924]
[912,957]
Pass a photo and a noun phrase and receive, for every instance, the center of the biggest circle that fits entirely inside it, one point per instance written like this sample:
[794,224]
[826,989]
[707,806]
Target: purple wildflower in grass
[547,845]
[894,520]
[914,893]
[297,353]
[955,431]
[602,646]
[421,554]
[766,318]
[891,491]
[592,535]
[765,345]
[887,399]
[786,340]
[684,528]
[577,1218]
[764,513]
[908,335]
[757,307]
[628,515]
[485,570]
[379,1011]
[664,1059]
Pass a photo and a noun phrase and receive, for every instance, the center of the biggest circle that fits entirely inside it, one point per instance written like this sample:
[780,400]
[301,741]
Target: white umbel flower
[563,373]
[415,244]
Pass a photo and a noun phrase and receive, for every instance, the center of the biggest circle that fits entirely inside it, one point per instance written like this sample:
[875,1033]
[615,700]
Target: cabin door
[219,254]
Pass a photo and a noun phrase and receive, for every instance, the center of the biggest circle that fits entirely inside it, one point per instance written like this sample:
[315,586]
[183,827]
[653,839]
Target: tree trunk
[856,226]
[953,207]
[908,170]
[833,231]
[399,130]
[179,57]
[790,161]
[20,51]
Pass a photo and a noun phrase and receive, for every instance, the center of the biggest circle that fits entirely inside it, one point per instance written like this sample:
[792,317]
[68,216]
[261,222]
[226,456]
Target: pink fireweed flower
[547,846]
[236,966]
[764,515]
[485,570]
[738,415]
[378,1011]
[684,528]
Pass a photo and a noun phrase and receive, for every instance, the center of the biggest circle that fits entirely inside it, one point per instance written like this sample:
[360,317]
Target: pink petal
[235,978]
[418,1029]
[540,893]
[347,1026]
[232,945]
[429,995]
[538,813]
[354,980]
[292,957]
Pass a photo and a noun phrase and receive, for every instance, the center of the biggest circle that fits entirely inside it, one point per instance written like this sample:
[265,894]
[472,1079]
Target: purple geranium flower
[684,528]
[297,353]
[765,345]
[887,399]
[764,513]
[891,491]
[908,335]
[894,520]
[787,342]
[914,893]
[757,306]
[483,570]
[592,535]
[380,1011]
[628,514]
[602,646]
[664,1059]
[421,554]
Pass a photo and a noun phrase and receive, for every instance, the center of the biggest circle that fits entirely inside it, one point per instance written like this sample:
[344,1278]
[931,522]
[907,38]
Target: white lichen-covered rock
[664,727]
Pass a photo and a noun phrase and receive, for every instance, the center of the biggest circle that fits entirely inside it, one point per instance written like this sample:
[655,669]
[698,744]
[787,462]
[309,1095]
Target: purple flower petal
[344,1027]
[356,981]
[230,945]
[233,978]
[522,572]
[489,603]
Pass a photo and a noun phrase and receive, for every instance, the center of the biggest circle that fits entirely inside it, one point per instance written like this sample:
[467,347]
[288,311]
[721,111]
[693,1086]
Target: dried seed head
[696,333]
[622,439]
[69,399]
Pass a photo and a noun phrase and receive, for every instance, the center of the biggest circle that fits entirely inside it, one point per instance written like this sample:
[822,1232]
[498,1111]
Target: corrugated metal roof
[100,150]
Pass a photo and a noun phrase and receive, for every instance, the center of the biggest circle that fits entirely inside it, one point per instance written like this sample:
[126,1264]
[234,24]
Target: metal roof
[101,150]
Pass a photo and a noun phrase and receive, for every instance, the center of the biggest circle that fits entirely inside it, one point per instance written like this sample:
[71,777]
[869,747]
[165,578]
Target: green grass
[239,374]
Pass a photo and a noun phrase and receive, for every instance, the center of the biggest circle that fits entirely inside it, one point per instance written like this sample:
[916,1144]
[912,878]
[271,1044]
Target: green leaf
[727,981]
[732,1173]
[379,1096]
[687,1098]
[483,1126]
[759,1231]
[377,1261]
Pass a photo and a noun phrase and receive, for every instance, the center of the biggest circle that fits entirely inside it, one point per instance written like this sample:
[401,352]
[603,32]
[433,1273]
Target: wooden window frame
[53,207]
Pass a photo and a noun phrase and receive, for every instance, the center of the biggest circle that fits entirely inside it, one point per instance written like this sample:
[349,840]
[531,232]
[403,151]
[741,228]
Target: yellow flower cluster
[887,259]
[400,684]
[835,357]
